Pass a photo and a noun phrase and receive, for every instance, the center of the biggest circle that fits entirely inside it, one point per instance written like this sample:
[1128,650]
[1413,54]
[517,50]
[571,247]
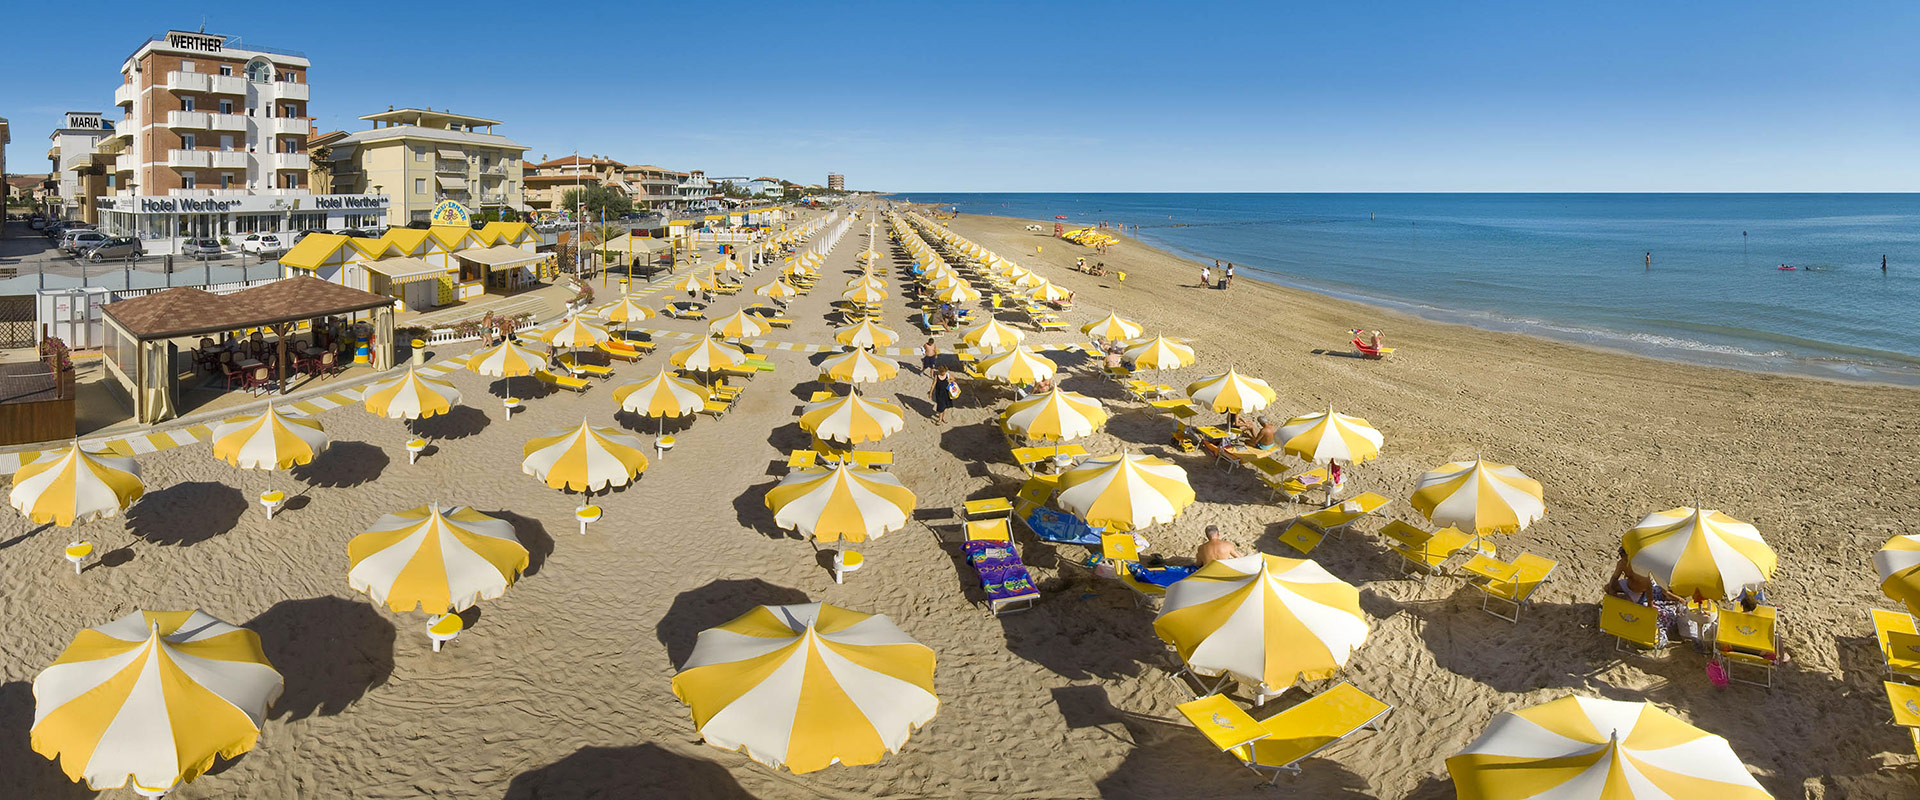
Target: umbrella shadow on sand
[460,423]
[645,770]
[29,774]
[714,604]
[186,514]
[750,508]
[344,465]
[332,651]
[532,534]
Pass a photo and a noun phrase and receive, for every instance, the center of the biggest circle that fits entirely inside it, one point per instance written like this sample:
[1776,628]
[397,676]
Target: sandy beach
[560,689]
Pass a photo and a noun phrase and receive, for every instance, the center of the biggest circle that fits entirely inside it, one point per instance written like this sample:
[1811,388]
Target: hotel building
[419,157]
[836,181]
[83,171]
[213,143]
[549,181]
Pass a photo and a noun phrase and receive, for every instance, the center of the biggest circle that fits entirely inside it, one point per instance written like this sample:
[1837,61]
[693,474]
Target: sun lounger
[1509,583]
[578,368]
[1029,506]
[1029,457]
[1369,351]
[1751,640]
[1422,553]
[1904,698]
[1308,529]
[802,459]
[988,508]
[1049,324]
[1279,743]
[1899,644]
[611,349]
[1295,487]
[1632,624]
[569,383]
[1004,578]
[717,406]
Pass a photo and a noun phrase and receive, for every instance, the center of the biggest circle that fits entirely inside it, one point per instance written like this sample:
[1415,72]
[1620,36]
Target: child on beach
[1229,283]
[1206,276]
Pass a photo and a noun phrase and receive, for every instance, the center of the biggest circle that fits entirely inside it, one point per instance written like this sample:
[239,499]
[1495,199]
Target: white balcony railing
[189,158]
[288,126]
[228,159]
[123,94]
[178,81]
[299,161]
[125,128]
[206,121]
[208,192]
[125,162]
[284,90]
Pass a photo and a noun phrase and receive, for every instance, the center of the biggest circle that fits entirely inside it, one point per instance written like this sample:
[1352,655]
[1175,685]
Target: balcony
[278,161]
[207,121]
[205,83]
[125,162]
[189,159]
[283,90]
[228,159]
[208,193]
[124,93]
[125,128]
[450,167]
[288,126]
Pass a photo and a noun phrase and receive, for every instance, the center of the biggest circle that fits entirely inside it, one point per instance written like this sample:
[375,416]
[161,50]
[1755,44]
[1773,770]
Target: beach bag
[953,389]
[1718,675]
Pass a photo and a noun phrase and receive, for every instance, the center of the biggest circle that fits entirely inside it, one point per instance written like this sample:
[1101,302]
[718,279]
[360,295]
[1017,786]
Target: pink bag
[1718,674]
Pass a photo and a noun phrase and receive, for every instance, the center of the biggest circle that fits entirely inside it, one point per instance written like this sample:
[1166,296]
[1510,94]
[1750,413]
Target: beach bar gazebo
[145,333]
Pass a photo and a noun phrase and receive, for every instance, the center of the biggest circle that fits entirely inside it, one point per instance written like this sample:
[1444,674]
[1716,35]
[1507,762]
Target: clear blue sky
[954,96]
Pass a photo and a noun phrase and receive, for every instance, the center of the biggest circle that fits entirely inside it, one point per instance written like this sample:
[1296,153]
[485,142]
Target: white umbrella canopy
[1330,436]
[1126,492]
[1266,620]
[843,502]
[1480,497]
[1018,366]
[1586,748]
[75,486]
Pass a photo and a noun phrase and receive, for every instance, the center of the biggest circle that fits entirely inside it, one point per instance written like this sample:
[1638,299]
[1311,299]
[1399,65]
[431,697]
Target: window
[226,69]
[259,71]
[186,66]
[226,180]
[419,185]
[420,154]
[226,106]
[186,141]
[287,111]
[186,104]
[187,180]
[226,142]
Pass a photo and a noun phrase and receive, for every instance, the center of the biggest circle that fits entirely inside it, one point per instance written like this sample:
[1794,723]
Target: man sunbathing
[1264,438]
[1215,548]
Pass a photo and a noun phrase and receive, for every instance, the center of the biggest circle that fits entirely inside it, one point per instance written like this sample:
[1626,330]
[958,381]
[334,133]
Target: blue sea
[1571,266]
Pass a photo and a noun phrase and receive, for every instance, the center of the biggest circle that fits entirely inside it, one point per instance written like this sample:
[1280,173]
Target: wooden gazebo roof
[187,311]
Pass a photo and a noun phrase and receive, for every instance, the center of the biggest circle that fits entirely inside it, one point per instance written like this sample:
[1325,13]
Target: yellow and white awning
[843,502]
[662,395]
[75,486]
[738,325]
[434,560]
[807,686]
[1018,366]
[507,360]
[1700,551]
[585,458]
[866,333]
[852,419]
[859,366]
[1266,620]
[1112,328]
[1125,492]
[1898,562]
[993,336]
[411,396]
[1231,392]
[1160,352]
[1586,748]
[1480,497]
[776,290]
[269,440]
[1057,415]
[1330,437]
[864,294]
[153,697]
[707,355]
[626,311]
[573,332]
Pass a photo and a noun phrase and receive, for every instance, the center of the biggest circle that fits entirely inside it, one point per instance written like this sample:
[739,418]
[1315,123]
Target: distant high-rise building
[836,181]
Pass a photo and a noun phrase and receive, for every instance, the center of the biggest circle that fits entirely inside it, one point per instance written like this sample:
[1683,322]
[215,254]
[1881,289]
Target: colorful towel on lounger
[1005,582]
[1160,576]
[1059,526]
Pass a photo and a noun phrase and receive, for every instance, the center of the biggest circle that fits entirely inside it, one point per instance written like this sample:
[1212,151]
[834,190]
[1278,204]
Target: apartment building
[6,135]
[654,188]
[836,181]
[548,182]
[213,143]
[81,170]
[695,191]
[419,157]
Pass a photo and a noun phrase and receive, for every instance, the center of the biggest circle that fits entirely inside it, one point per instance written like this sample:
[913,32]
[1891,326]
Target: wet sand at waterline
[560,689]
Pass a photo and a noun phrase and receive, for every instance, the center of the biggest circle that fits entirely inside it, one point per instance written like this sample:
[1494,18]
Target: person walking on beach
[1229,283]
[944,390]
[929,353]
[1206,276]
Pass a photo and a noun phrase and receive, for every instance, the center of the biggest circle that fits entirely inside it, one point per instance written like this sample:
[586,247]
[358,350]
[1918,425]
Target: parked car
[358,234]
[77,242]
[203,248]
[262,243]
[36,222]
[116,248]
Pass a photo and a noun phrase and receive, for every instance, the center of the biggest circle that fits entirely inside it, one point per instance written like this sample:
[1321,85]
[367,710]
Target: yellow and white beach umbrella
[1021,276]
[269,440]
[662,395]
[807,686]
[411,396]
[626,311]
[585,459]
[864,294]
[1018,366]
[154,697]
[1898,562]
[800,269]
[1125,492]
[1330,437]
[1057,415]
[1480,497]
[812,258]
[435,560]
[707,355]
[739,325]
[960,293]
[507,360]
[993,336]
[776,290]
[1700,551]
[859,366]
[944,279]
[869,254]
[1586,748]
[1112,328]
[1266,620]
[1160,352]
[75,486]
[866,333]
[866,279]
[843,502]
[574,332]
[730,265]
[694,283]
[1049,292]
[1231,392]
[852,419]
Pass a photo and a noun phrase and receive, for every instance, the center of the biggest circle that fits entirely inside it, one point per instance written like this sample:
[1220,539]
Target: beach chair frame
[1277,726]
[1731,660]
[1612,607]
[1891,630]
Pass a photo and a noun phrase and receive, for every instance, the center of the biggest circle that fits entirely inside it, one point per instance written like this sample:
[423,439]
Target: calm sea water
[1572,266]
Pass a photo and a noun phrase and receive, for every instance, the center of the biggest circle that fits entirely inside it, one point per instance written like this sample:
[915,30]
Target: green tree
[598,200]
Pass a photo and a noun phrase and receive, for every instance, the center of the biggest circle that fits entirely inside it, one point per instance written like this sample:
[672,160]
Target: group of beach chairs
[1899,642]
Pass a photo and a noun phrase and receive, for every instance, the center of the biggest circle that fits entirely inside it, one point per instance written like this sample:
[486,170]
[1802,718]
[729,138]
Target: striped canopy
[812,258]
[707,355]
[269,440]
[729,265]
[626,310]
[436,561]
[776,290]
[866,279]
[1330,436]
[1111,328]
[866,333]
[1125,492]
[843,502]
[153,697]
[852,419]
[507,360]
[585,458]
[1231,392]
[799,269]
[1160,352]
[1057,415]
[739,325]
[1266,620]
[1699,551]
[807,686]
[944,279]
[75,486]
[693,282]
[1021,276]
[1480,497]
[1585,748]
[1050,292]
[574,332]
[868,254]
[411,396]
[662,395]
[961,293]
[864,294]
[1898,562]
[993,336]
[1019,365]
[859,366]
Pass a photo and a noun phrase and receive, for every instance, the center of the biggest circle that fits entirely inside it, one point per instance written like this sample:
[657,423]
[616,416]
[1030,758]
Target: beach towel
[1061,527]
[1160,576]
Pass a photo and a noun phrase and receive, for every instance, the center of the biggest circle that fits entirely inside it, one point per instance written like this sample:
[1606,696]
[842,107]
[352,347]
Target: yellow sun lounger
[1631,623]
[1422,553]
[578,368]
[1899,644]
[562,381]
[1279,743]
[988,508]
[1309,529]
[1509,583]
[619,351]
[1749,639]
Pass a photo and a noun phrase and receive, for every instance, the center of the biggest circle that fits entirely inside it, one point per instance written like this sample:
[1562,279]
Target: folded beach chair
[569,383]
[1899,644]
[1422,553]
[1003,576]
[1751,640]
[1632,624]
[1309,529]
[1509,583]
[1279,743]
[1904,698]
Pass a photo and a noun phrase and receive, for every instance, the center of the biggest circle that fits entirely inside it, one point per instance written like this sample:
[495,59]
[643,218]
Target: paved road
[41,266]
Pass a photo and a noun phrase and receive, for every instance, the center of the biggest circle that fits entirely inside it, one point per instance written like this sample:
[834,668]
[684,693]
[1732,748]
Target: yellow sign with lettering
[448,212]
